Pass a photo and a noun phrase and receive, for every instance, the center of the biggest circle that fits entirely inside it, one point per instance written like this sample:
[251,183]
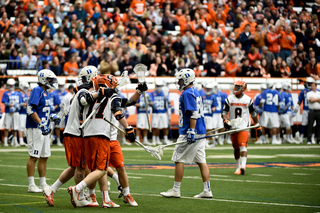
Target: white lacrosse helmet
[24,86]
[309,81]
[11,82]
[278,86]
[61,84]
[159,85]
[48,78]
[269,85]
[184,78]
[263,87]
[215,87]
[286,86]
[209,88]
[86,74]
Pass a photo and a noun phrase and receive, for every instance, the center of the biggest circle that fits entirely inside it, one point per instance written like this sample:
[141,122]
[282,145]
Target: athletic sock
[176,186]
[92,191]
[124,140]
[126,191]
[145,139]
[116,178]
[303,129]
[312,137]
[58,141]
[278,136]
[206,186]
[5,140]
[42,181]
[165,138]
[158,139]
[80,186]
[238,163]
[273,138]
[154,139]
[31,181]
[105,196]
[57,185]
[243,161]
[21,141]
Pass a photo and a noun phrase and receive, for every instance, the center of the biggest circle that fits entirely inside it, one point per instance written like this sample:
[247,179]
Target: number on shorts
[238,112]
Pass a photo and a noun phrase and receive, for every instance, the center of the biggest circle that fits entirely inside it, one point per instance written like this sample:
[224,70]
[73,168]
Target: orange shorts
[116,156]
[240,139]
[74,147]
[97,152]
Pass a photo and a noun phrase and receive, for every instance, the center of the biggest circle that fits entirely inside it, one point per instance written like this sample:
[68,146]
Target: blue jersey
[202,93]
[160,102]
[220,100]
[39,102]
[271,99]
[142,107]
[11,98]
[257,100]
[286,101]
[190,101]
[57,98]
[291,102]
[209,101]
[24,99]
[303,98]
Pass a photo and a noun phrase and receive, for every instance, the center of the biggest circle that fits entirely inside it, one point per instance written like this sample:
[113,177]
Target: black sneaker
[120,191]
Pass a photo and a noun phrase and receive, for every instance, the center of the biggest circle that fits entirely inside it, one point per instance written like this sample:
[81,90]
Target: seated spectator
[297,69]
[55,66]
[245,68]
[311,68]
[158,68]
[222,60]
[45,55]
[109,65]
[58,38]
[274,69]
[79,42]
[233,50]
[79,11]
[256,69]
[44,65]
[212,67]
[14,62]
[253,55]
[232,67]
[46,41]
[285,70]
[29,61]
[90,58]
[149,58]
[170,62]
[265,68]
[71,67]
[266,54]
[126,64]
[4,23]
[46,24]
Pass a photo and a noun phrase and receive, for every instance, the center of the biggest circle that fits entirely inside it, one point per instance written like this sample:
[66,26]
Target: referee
[314,111]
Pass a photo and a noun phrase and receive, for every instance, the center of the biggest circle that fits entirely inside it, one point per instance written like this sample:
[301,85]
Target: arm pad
[85,98]
[30,110]
[118,115]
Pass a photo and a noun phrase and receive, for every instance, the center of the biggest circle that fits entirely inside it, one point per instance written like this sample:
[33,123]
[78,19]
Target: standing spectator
[311,68]
[158,68]
[89,7]
[58,38]
[314,113]
[287,41]
[138,7]
[233,50]
[246,39]
[29,61]
[55,66]
[34,40]
[259,38]
[79,11]
[168,21]
[212,43]
[253,55]
[71,66]
[178,46]
[189,42]
[273,41]
[232,67]
[212,67]
[291,58]
[45,23]
[266,54]
[89,58]
[259,15]
[14,62]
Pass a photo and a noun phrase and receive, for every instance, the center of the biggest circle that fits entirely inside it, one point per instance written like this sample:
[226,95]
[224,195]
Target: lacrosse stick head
[63,111]
[124,79]
[236,122]
[154,152]
[140,70]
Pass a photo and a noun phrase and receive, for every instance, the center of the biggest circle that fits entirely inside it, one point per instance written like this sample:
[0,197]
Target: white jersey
[66,100]
[97,126]
[73,125]
[239,107]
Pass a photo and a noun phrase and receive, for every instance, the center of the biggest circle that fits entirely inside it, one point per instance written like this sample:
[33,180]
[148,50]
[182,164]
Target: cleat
[313,141]
[59,144]
[5,145]
[171,193]
[83,203]
[167,142]
[204,195]
[34,189]
[120,191]
[109,204]
[43,186]
[23,144]
[309,143]
[93,201]
[74,195]
[243,170]
[258,141]
[159,143]
[48,193]
[130,200]
[147,143]
[229,141]
[212,145]
[126,143]
[237,172]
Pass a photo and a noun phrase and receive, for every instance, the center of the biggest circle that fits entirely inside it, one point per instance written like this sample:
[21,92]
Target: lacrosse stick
[148,149]
[124,80]
[140,70]
[233,122]
[159,149]
[61,114]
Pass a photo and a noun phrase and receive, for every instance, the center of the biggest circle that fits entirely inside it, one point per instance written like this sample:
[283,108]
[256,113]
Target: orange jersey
[229,67]
[5,25]
[252,27]
[273,42]
[285,42]
[70,67]
[45,2]
[88,6]
[138,6]
[80,44]
[212,46]
[18,28]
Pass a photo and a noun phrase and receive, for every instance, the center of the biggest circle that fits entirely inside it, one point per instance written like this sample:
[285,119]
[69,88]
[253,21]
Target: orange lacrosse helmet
[95,82]
[239,87]
[107,81]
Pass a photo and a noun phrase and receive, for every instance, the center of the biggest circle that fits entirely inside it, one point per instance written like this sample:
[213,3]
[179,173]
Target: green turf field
[278,179]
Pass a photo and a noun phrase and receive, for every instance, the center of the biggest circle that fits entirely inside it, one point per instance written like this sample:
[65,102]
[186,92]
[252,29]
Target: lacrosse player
[191,126]
[209,106]
[24,87]
[240,105]
[37,125]
[97,134]
[12,101]
[142,122]
[160,119]
[262,139]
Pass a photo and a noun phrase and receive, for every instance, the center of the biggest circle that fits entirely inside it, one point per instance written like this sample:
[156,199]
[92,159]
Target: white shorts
[62,124]
[285,121]
[142,122]
[305,116]
[217,120]
[291,120]
[11,121]
[22,122]
[270,120]
[208,120]
[160,121]
[38,144]
[189,153]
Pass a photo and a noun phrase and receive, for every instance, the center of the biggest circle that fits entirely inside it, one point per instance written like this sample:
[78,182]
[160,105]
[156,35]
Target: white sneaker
[48,193]
[167,142]
[309,143]
[5,145]
[171,193]
[93,201]
[313,141]
[147,143]
[158,142]
[43,186]
[83,203]
[15,144]
[126,143]
[289,140]
[259,141]
[34,189]
[59,144]
[204,195]
[276,142]
[229,141]
[23,144]
[109,204]
[129,199]
[221,142]
[74,195]
[212,145]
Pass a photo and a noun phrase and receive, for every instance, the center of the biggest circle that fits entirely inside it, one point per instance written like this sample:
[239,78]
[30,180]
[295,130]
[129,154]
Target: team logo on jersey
[44,95]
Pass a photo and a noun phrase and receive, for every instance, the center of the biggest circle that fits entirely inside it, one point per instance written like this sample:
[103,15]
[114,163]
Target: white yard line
[301,174]
[208,200]
[262,175]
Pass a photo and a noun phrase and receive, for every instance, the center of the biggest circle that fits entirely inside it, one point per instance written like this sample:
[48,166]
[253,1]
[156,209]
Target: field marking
[19,195]
[133,177]
[229,180]
[219,175]
[262,175]
[266,156]
[301,174]
[21,204]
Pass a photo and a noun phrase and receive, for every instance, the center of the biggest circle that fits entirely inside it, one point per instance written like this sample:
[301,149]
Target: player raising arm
[240,105]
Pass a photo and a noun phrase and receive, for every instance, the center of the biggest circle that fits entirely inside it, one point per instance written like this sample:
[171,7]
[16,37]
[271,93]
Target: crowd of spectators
[264,38]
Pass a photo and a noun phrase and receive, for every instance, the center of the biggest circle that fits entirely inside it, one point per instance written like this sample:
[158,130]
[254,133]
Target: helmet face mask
[86,74]
[11,82]
[47,78]
[158,88]
[184,78]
